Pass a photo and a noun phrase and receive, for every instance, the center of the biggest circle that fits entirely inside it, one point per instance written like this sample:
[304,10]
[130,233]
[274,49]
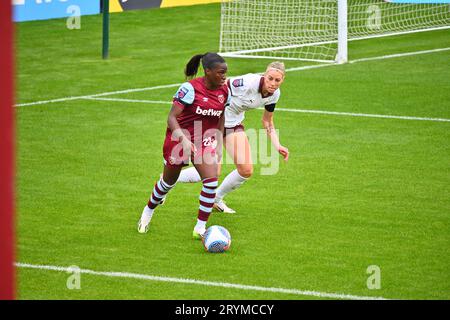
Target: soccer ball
[216,239]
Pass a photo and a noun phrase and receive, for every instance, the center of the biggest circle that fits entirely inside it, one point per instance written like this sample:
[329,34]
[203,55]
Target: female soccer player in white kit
[247,92]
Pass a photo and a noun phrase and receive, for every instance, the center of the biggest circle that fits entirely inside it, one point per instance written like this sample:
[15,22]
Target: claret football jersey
[200,105]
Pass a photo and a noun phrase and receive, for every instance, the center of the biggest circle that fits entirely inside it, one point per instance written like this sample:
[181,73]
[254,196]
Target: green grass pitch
[356,191]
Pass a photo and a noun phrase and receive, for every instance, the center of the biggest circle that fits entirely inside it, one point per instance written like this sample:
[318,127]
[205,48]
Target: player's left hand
[284,152]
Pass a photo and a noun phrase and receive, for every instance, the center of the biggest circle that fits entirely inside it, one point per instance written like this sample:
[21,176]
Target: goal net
[318,30]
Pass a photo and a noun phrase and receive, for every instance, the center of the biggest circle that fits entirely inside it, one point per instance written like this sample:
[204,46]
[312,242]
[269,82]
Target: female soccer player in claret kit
[248,92]
[194,132]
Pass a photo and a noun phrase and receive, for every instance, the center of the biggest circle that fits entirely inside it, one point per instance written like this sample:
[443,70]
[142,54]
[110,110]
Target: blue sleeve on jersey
[185,94]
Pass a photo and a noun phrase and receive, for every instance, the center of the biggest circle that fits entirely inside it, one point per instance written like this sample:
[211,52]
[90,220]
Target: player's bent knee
[245,172]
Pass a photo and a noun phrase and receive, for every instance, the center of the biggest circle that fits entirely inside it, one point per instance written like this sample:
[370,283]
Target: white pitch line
[368,115]
[137,90]
[199,282]
[334,113]
[129,100]
[398,55]
[314,66]
[98,95]
[50,101]
[178,84]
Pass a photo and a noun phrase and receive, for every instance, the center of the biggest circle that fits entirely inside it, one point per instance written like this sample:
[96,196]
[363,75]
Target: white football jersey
[245,95]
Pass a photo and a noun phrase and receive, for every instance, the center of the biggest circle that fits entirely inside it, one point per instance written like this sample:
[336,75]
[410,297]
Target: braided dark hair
[208,60]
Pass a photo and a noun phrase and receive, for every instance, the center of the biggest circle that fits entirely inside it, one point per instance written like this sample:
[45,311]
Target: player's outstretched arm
[269,126]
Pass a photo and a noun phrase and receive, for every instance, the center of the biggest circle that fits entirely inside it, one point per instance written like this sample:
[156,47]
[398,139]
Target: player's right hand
[188,145]
[193,149]
[284,152]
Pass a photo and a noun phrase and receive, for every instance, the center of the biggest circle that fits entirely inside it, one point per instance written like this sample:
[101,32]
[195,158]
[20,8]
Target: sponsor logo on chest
[208,112]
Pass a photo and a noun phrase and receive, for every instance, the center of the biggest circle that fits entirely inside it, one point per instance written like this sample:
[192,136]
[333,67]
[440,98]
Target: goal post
[319,30]
[342,49]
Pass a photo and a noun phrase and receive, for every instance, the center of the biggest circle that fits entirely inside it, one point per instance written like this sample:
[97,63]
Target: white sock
[189,175]
[147,215]
[200,226]
[231,182]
